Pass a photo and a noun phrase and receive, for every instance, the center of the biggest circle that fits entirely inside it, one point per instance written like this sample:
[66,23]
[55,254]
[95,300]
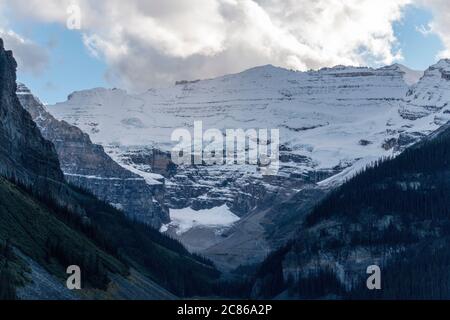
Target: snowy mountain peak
[274,77]
[437,72]
[431,95]
[22,89]
[264,69]
[262,72]
[342,69]
[274,70]
[341,104]
[410,76]
[96,92]
[443,64]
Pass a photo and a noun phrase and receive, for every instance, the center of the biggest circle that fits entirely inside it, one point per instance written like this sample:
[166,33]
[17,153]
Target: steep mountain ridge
[48,225]
[426,97]
[87,165]
[410,76]
[25,155]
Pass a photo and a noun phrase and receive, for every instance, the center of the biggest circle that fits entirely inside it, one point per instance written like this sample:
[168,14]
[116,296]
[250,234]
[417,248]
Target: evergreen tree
[7,285]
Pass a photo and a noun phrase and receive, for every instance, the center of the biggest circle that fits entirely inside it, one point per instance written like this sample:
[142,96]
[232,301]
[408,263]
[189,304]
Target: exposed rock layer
[87,165]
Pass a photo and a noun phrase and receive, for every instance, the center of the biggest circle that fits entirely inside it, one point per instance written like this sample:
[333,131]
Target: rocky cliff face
[87,165]
[25,155]
[431,95]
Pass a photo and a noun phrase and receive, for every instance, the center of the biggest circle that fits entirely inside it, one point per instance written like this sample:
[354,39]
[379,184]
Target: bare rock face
[160,162]
[25,155]
[86,165]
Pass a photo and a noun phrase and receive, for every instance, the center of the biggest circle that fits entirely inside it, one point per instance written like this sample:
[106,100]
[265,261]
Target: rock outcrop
[86,165]
[25,155]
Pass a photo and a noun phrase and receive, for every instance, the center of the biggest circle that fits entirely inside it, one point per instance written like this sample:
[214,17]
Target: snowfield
[185,219]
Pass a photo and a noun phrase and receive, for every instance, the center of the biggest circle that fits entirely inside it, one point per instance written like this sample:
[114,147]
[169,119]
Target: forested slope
[394,214]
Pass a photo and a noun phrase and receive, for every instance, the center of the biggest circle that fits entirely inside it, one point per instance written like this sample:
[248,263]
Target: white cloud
[147,43]
[31,57]
[424,30]
[441,22]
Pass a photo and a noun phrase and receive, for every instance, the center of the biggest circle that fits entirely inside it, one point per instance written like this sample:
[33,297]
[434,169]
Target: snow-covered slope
[410,76]
[430,95]
[87,166]
[332,123]
[322,115]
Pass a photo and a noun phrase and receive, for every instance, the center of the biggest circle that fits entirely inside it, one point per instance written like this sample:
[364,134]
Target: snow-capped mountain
[320,114]
[410,76]
[431,95]
[332,123]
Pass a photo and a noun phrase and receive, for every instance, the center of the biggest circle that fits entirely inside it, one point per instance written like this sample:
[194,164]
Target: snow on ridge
[410,76]
[94,92]
[443,64]
[432,93]
[22,89]
[94,177]
[322,115]
[150,178]
[348,173]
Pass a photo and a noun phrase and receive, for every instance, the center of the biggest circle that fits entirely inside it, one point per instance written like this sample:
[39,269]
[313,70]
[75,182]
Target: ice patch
[185,219]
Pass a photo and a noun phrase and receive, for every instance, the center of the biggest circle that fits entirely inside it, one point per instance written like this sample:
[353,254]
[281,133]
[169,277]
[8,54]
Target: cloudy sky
[138,44]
